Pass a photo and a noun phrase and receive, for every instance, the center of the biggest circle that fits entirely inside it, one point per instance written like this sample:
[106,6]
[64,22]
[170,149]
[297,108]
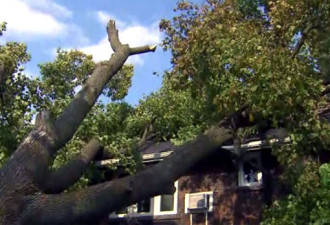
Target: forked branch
[70,173]
[68,122]
[302,39]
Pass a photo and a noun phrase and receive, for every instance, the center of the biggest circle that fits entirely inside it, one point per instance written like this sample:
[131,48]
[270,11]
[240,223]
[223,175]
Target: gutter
[159,156]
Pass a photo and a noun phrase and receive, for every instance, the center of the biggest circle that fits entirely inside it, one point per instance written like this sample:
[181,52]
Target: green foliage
[70,69]
[22,97]
[324,171]
[59,82]
[170,114]
[118,86]
[18,97]
[240,53]
[226,55]
[311,207]
[231,59]
[2,28]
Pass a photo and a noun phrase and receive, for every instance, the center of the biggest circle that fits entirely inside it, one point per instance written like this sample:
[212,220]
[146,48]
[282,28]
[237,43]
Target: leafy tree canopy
[269,57]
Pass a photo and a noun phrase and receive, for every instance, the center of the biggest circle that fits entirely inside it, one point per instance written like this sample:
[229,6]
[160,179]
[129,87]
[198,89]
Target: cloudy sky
[48,24]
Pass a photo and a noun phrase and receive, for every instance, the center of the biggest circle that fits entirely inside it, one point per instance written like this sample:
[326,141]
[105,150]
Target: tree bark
[25,181]
[99,200]
[70,173]
[2,72]
[26,171]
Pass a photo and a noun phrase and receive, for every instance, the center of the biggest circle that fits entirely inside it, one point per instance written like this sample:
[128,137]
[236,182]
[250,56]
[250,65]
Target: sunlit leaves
[245,53]
[2,27]
[18,97]
[170,114]
[235,59]
[61,77]
[118,86]
[311,207]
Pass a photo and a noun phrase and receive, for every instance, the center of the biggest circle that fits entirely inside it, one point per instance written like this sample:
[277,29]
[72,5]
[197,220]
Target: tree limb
[142,49]
[2,72]
[71,172]
[68,122]
[326,90]
[301,41]
[326,82]
[34,155]
[100,200]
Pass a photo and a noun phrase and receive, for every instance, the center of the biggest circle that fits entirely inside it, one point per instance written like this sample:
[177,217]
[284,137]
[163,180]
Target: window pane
[143,206]
[251,174]
[167,203]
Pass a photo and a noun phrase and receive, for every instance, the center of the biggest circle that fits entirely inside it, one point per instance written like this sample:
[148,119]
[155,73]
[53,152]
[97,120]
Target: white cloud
[34,18]
[50,7]
[104,18]
[100,51]
[129,33]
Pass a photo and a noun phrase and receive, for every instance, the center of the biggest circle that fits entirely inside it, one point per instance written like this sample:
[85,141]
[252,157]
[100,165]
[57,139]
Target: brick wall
[232,205]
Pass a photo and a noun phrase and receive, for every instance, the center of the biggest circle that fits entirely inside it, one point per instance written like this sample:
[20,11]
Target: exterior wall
[232,205]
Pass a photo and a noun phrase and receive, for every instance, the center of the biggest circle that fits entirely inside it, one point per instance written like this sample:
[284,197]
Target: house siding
[232,205]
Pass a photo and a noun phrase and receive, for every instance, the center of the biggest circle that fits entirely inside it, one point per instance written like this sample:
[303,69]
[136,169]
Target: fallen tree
[244,62]
[32,194]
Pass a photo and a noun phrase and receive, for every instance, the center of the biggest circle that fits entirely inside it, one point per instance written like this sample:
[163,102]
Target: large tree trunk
[31,194]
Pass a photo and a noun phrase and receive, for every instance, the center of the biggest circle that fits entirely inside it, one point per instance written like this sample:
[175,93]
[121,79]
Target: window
[166,204]
[159,205]
[249,173]
[142,208]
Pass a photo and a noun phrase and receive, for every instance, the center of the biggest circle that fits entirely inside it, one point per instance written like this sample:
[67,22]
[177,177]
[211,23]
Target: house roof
[154,152]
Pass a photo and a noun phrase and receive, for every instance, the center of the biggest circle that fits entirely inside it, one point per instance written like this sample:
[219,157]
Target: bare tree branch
[302,39]
[113,36]
[34,155]
[68,122]
[143,49]
[71,172]
[2,72]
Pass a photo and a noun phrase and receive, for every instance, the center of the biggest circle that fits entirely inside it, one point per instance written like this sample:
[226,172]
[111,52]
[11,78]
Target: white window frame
[186,200]
[154,207]
[241,180]
[157,203]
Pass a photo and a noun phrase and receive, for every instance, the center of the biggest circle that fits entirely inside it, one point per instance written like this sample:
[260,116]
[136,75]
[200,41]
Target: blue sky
[48,24]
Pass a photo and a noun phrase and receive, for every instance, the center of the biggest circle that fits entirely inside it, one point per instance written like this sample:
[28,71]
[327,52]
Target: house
[219,190]
[223,189]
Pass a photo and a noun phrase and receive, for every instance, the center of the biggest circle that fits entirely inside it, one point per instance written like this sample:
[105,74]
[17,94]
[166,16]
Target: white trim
[155,157]
[106,162]
[157,202]
[186,200]
[154,207]
[254,145]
